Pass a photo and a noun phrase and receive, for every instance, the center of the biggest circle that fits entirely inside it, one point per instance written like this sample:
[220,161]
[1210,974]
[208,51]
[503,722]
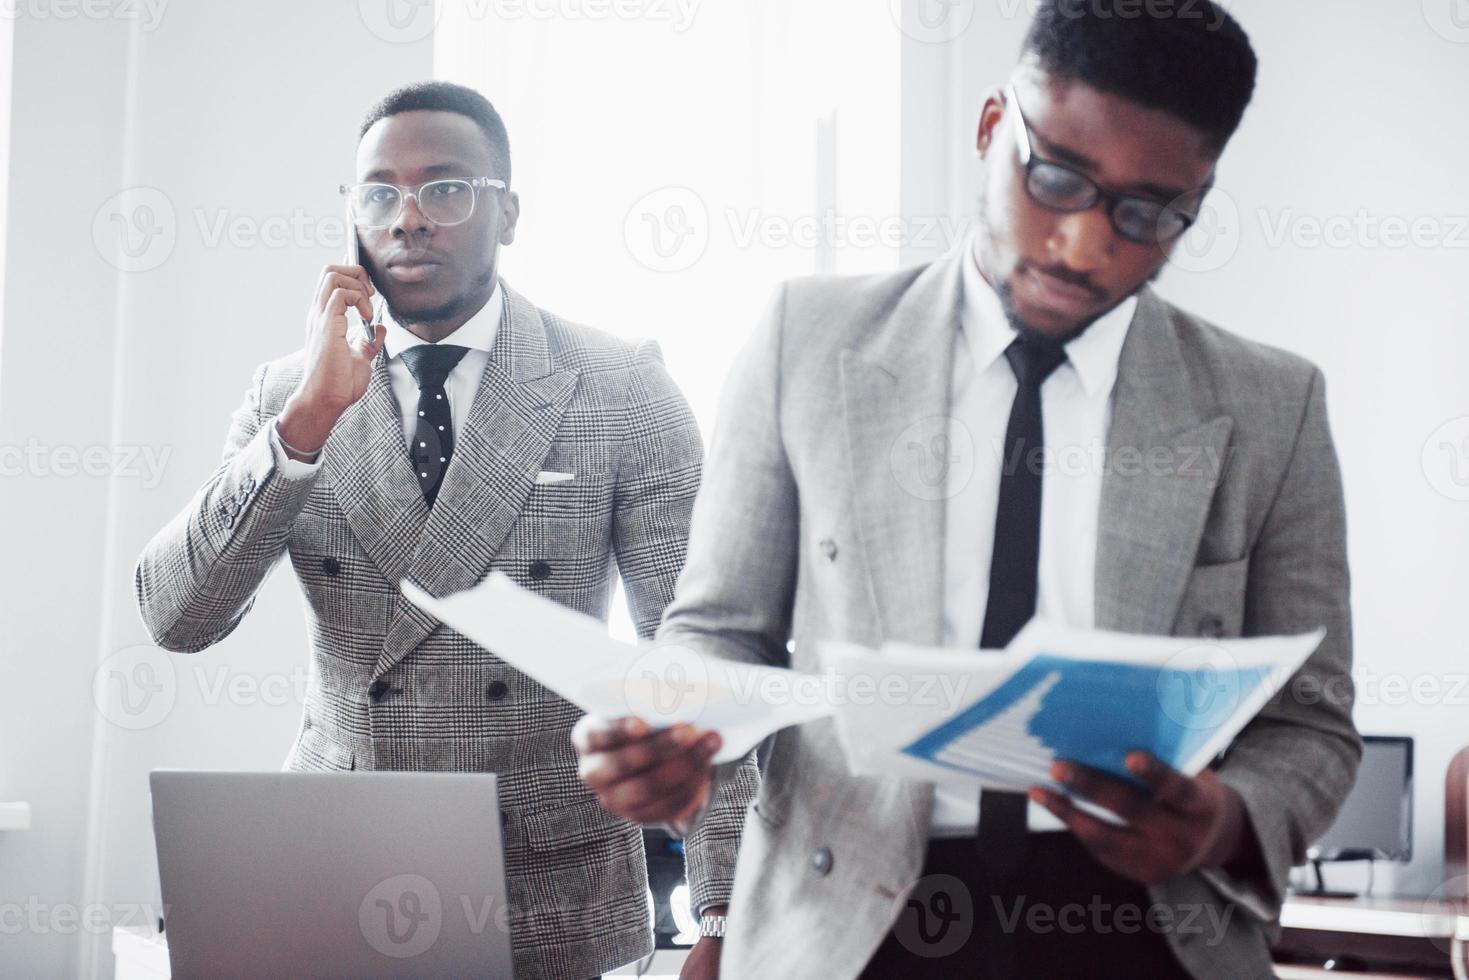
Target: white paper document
[999,719]
[571,654]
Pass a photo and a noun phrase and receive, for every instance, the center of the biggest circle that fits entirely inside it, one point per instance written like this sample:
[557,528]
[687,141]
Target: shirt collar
[476,333]
[1094,355]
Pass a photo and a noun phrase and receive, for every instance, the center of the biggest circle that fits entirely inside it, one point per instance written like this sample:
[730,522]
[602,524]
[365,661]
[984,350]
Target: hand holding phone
[364,325]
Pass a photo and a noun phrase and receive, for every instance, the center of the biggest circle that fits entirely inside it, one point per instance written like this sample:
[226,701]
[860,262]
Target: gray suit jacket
[390,687]
[1221,515]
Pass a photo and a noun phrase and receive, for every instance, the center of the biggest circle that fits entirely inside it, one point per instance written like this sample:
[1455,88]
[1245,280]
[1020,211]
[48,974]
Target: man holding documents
[470,431]
[1024,428]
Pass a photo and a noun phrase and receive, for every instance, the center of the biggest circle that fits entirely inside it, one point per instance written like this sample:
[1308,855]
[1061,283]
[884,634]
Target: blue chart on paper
[1092,712]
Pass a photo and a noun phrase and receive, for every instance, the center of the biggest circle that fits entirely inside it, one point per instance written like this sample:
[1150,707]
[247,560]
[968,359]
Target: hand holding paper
[572,655]
[999,719]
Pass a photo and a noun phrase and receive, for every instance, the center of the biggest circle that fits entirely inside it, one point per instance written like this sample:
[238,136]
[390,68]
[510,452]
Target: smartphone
[354,257]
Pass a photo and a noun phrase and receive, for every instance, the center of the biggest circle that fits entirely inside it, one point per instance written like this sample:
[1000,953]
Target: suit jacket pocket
[1213,603]
[777,783]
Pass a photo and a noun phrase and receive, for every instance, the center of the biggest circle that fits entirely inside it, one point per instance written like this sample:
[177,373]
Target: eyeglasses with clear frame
[444,202]
[1059,188]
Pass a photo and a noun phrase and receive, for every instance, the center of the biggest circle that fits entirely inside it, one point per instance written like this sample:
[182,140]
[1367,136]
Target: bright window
[676,159]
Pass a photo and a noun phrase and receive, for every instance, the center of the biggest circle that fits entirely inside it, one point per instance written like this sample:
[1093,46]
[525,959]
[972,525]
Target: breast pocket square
[551,476]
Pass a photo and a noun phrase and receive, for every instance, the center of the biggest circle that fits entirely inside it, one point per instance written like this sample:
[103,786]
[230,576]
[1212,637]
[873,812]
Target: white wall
[1359,107]
[57,341]
[244,114]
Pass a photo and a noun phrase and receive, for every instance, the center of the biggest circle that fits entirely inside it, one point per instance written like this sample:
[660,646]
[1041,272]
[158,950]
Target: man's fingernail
[685,735]
[636,726]
[712,741]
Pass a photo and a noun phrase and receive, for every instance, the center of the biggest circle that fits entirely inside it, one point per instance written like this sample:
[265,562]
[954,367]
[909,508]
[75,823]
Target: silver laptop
[331,874]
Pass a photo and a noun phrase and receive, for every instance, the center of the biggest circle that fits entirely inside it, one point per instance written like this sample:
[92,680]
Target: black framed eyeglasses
[1059,188]
[444,202]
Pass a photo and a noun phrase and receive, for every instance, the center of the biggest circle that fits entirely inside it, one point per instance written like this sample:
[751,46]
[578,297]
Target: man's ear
[990,117]
[509,217]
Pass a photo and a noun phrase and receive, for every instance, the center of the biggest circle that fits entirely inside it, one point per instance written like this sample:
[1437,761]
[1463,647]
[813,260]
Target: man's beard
[1030,334]
[1026,330]
[433,314]
[455,307]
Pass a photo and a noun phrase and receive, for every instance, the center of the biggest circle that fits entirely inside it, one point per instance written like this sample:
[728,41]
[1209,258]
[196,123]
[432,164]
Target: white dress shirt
[477,333]
[1076,411]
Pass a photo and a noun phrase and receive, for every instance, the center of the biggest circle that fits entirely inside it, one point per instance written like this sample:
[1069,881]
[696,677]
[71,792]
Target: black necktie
[1014,566]
[433,437]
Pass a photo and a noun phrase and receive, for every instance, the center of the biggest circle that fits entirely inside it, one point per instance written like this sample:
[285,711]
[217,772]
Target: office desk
[1391,938]
[1399,937]
[141,954]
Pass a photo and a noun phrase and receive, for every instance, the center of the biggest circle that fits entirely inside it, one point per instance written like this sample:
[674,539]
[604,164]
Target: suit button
[828,548]
[331,567]
[504,821]
[496,690]
[540,570]
[821,861]
[1211,627]
[378,690]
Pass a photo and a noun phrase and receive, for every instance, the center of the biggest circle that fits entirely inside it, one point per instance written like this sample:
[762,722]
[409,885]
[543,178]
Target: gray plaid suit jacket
[390,687]
[1221,515]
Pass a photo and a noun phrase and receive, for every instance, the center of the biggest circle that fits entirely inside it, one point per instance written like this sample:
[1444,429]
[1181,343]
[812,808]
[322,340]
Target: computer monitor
[1376,821]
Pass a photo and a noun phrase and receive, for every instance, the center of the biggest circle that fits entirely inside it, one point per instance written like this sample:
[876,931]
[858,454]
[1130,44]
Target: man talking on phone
[471,430]
[1104,459]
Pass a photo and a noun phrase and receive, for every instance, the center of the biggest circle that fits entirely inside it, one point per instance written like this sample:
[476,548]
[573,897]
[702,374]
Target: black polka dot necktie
[433,436]
[1014,572]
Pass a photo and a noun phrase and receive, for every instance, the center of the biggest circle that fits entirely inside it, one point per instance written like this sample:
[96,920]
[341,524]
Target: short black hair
[447,97]
[1189,58]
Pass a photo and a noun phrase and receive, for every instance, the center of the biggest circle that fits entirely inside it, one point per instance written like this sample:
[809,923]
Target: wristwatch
[711,925]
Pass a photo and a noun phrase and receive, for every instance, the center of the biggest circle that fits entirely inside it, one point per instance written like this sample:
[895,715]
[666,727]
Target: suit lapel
[497,454]
[372,478]
[1164,460]
[895,394]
